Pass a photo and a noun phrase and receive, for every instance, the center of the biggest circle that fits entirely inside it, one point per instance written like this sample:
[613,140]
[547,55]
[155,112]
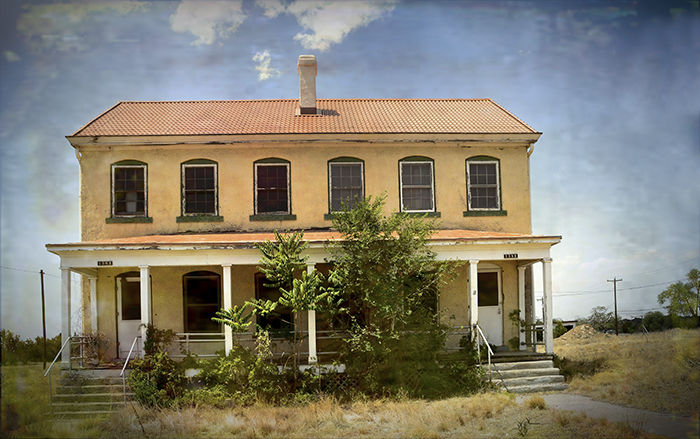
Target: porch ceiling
[240,249]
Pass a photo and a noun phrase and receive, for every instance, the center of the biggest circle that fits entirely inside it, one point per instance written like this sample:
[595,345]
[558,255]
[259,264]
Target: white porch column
[228,303]
[473,294]
[93,303]
[65,316]
[313,355]
[547,299]
[521,303]
[145,300]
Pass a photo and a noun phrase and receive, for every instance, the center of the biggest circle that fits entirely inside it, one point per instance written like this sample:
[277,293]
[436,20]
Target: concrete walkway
[652,422]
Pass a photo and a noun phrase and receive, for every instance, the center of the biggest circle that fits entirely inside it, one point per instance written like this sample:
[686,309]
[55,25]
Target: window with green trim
[199,188]
[483,185]
[129,189]
[417,185]
[346,183]
[272,194]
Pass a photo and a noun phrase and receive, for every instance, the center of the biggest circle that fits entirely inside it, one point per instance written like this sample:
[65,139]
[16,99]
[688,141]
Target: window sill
[485,213]
[425,214]
[200,219]
[273,217]
[134,219]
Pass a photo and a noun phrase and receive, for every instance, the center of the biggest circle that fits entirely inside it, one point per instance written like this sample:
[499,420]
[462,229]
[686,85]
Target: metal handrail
[128,357]
[490,353]
[49,370]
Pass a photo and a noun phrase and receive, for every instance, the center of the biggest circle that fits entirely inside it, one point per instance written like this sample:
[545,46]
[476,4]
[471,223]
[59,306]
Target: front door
[491,306]
[128,313]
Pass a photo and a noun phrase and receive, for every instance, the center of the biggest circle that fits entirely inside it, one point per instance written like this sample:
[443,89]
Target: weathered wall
[309,184]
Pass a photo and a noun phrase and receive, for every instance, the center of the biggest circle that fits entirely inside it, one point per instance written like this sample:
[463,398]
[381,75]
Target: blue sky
[614,86]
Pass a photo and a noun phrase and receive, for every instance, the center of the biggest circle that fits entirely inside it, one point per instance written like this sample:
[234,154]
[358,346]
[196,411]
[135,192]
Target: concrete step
[530,381]
[83,381]
[99,414]
[520,365]
[91,397]
[79,407]
[553,387]
[90,388]
[519,373]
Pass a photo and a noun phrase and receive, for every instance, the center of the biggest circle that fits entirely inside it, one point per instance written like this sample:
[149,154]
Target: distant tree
[682,299]
[559,328]
[656,321]
[600,319]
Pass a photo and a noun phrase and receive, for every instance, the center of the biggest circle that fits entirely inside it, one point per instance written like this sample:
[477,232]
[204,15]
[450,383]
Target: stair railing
[480,334]
[49,370]
[126,362]
[489,352]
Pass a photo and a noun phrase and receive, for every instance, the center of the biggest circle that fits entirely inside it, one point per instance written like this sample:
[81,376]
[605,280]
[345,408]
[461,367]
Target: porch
[157,270]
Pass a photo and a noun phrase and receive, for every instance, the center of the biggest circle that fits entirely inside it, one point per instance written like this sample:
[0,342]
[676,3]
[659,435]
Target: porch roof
[315,238]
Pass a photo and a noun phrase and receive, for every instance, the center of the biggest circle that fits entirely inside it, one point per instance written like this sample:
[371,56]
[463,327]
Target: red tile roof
[338,116]
[314,237]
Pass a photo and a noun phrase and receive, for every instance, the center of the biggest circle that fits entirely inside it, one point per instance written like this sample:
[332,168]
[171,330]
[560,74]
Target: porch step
[86,394]
[528,376]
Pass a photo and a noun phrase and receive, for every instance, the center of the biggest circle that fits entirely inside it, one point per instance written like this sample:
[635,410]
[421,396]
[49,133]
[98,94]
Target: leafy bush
[246,377]
[155,380]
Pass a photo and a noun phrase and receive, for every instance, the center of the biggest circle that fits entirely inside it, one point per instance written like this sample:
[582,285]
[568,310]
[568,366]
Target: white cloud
[208,19]
[266,72]
[11,56]
[328,22]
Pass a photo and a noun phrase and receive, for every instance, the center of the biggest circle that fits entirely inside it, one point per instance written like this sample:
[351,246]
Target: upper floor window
[199,188]
[417,185]
[272,187]
[345,182]
[483,184]
[129,194]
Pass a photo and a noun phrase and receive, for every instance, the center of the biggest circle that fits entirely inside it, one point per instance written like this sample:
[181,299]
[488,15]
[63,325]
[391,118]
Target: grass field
[659,371]
[662,371]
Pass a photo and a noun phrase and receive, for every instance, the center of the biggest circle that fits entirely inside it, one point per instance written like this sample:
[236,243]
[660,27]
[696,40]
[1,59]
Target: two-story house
[175,195]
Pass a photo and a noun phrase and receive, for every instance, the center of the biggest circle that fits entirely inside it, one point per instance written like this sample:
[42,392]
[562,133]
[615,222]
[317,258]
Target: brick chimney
[307,84]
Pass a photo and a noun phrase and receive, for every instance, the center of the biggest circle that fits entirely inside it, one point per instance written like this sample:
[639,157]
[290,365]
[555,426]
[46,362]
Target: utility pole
[43,313]
[615,281]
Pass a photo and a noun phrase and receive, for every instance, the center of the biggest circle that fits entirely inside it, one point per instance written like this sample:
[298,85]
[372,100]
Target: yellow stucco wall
[309,184]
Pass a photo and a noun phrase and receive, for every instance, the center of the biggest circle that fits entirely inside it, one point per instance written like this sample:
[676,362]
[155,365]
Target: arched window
[417,182]
[272,194]
[483,186]
[129,189]
[346,182]
[202,299]
[200,191]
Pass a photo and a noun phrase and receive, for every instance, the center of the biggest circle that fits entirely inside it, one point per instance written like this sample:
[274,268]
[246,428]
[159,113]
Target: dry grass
[657,371]
[483,415]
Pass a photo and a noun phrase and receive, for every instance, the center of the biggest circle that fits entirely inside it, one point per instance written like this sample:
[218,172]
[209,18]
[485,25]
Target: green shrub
[215,396]
[155,380]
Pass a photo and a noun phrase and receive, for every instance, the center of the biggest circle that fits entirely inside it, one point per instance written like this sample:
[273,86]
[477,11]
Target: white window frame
[216,188]
[145,191]
[432,183]
[289,189]
[497,165]
[330,181]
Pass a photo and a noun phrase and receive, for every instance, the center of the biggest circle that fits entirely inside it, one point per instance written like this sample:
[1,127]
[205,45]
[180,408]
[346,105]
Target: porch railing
[534,334]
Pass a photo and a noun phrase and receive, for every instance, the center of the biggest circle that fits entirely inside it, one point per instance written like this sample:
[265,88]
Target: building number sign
[510,256]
